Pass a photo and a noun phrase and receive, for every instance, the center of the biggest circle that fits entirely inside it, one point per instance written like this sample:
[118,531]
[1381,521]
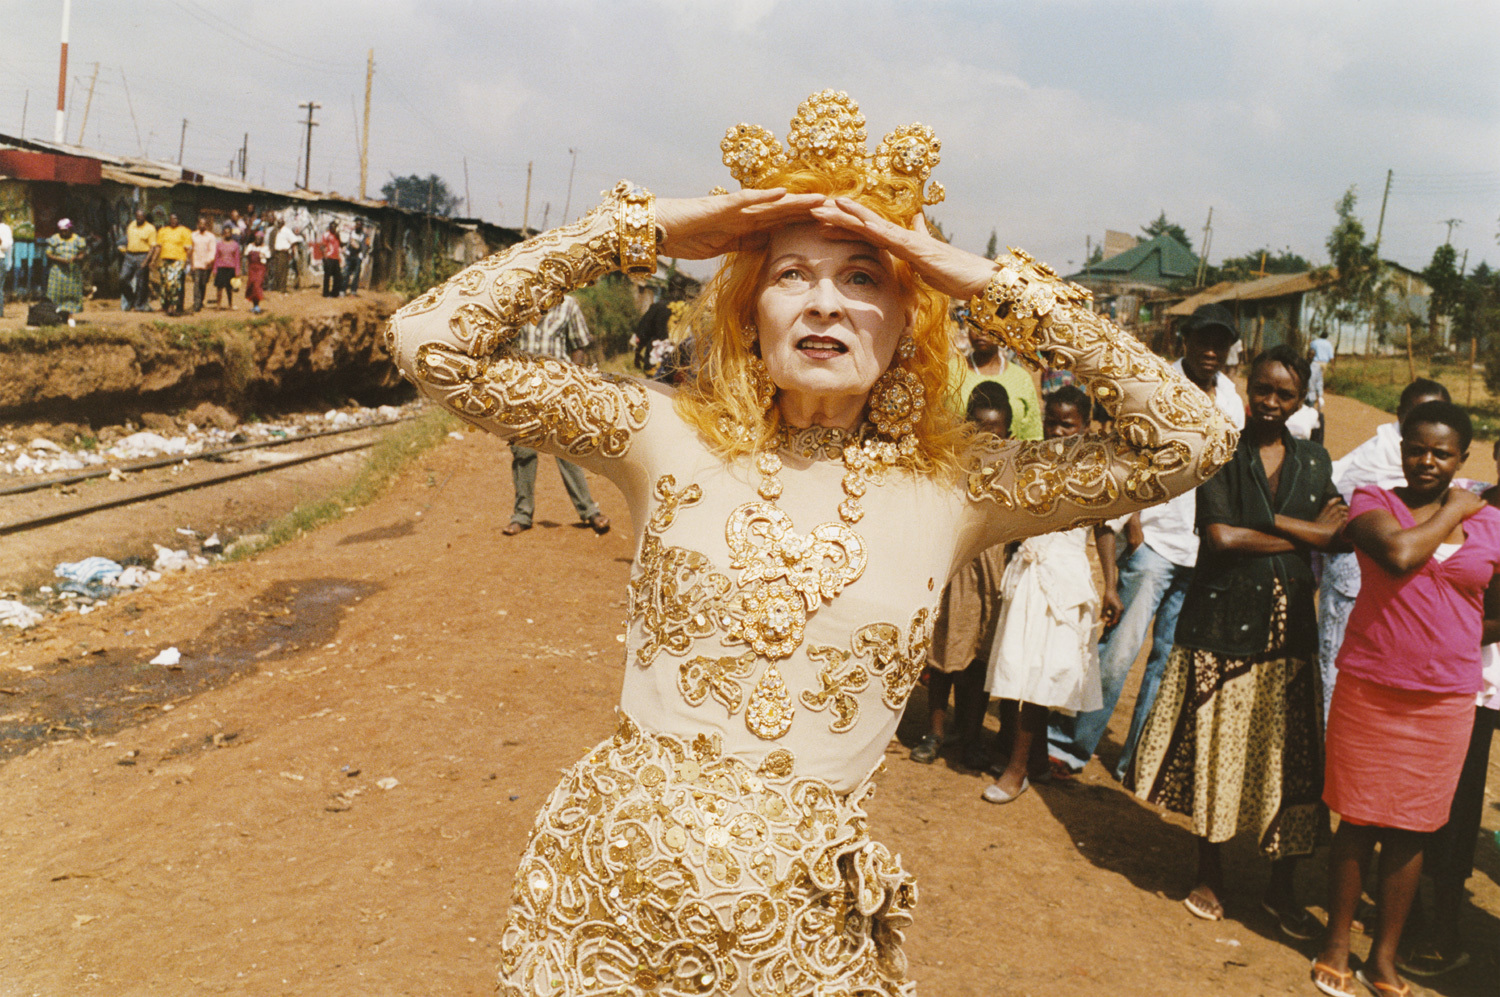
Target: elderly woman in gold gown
[798,506]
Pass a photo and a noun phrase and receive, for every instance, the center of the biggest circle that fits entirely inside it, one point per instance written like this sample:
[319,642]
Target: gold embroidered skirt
[662,866]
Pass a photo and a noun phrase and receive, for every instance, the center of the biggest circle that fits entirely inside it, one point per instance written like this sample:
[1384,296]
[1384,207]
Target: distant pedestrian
[282,239]
[226,265]
[255,271]
[173,244]
[7,240]
[140,240]
[65,251]
[563,335]
[331,248]
[356,250]
[205,245]
[1322,356]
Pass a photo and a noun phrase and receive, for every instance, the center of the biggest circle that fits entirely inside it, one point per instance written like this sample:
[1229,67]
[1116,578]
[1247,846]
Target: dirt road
[389,700]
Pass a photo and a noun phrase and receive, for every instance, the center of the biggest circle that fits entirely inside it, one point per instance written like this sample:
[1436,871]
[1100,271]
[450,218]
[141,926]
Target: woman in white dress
[1045,655]
[797,507]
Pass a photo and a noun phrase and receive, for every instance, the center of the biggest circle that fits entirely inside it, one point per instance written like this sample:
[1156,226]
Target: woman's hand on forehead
[700,228]
[955,272]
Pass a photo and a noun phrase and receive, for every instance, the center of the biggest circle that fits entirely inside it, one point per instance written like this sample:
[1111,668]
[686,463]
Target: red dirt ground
[237,840]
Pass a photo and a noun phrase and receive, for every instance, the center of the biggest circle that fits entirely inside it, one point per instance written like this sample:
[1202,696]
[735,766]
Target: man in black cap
[1156,564]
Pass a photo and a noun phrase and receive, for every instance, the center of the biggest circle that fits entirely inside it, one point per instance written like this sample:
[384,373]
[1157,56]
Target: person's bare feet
[599,523]
[512,528]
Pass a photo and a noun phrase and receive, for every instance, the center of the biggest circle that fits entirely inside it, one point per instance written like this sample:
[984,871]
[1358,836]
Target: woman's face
[1275,394]
[1431,455]
[830,312]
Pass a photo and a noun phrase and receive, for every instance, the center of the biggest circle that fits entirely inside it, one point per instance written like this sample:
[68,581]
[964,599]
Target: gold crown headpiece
[829,131]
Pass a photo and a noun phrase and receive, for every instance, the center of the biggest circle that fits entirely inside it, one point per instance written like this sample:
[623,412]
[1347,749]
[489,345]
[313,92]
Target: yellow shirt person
[175,241]
[140,238]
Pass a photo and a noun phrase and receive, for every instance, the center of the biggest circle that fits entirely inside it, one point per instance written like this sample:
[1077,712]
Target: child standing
[1046,657]
[966,622]
[226,265]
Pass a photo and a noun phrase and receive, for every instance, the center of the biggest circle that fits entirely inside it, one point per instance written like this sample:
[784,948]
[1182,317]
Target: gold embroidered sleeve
[456,343]
[1166,436]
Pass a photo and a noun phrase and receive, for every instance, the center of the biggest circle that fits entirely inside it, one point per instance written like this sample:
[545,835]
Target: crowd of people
[253,253]
[1322,640]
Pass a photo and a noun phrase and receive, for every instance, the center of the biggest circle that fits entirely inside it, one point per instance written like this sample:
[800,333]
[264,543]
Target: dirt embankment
[116,365]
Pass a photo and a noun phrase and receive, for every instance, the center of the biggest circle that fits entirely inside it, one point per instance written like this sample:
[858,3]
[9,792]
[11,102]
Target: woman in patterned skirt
[1233,738]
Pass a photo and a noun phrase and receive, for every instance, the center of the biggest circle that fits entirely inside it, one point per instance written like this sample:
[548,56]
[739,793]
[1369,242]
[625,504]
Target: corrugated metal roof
[1158,261]
[1275,286]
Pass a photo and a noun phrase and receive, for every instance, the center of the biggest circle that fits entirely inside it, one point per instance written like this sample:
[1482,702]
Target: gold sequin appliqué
[675,593]
[785,576]
[661,866]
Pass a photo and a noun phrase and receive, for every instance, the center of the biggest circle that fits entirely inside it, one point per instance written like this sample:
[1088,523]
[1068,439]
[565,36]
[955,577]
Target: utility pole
[569,202]
[466,187]
[1451,223]
[364,141]
[1208,237]
[182,142]
[244,155]
[311,106]
[62,75]
[1380,225]
[88,102]
[526,207]
[25,106]
[136,124]
[546,210]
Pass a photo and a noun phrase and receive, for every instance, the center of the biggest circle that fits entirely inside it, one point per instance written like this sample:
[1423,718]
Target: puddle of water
[110,690]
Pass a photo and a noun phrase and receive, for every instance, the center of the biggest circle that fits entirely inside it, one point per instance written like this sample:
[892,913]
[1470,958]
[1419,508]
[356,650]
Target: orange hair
[720,401]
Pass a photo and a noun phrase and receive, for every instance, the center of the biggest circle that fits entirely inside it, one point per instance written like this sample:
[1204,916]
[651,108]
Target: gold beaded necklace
[786,576]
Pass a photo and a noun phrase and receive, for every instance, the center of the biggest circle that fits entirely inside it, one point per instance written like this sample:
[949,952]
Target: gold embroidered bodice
[774,624]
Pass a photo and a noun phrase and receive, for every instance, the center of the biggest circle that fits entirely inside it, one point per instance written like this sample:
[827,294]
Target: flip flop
[1298,925]
[1381,989]
[1340,988]
[1199,909]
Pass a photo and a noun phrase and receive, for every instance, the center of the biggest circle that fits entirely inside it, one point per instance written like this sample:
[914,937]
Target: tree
[1164,227]
[1447,286]
[1351,286]
[992,248]
[429,195]
[1249,266]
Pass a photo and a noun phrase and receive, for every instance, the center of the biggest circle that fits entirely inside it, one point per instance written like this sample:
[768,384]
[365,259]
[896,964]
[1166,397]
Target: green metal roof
[1162,260]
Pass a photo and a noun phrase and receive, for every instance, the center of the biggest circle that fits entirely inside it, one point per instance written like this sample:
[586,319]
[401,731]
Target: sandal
[1298,924]
[1340,985]
[1429,962]
[1199,906]
[599,523]
[926,750]
[1380,988]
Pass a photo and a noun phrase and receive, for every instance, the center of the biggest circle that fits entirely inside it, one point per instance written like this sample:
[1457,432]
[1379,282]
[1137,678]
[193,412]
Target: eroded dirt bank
[116,365]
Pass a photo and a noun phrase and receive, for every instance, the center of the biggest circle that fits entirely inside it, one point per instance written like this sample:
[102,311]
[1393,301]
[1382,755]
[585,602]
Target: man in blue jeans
[1156,564]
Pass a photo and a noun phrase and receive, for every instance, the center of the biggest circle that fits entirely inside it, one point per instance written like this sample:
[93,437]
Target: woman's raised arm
[456,342]
[1168,436]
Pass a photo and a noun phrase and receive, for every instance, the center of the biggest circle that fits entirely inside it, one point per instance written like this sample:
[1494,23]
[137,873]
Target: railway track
[74,512]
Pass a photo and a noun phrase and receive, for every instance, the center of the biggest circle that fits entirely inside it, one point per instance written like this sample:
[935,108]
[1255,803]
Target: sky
[1059,120]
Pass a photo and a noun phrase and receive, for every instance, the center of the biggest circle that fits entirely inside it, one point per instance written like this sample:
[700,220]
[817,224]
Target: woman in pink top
[1408,672]
[226,265]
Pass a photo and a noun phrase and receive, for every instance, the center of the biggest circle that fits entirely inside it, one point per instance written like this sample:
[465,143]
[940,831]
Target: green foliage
[1097,256]
[435,269]
[1164,227]
[1447,286]
[992,248]
[609,308]
[429,195]
[1249,266]
[405,443]
[1351,286]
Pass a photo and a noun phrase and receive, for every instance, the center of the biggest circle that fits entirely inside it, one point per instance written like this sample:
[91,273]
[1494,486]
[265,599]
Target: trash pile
[41,456]
[88,584]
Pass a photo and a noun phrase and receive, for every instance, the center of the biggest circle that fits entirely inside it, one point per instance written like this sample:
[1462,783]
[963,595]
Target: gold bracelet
[636,229]
[1021,294]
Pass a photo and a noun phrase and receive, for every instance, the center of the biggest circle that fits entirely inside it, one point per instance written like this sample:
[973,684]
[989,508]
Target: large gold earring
[898,397]
[761,385]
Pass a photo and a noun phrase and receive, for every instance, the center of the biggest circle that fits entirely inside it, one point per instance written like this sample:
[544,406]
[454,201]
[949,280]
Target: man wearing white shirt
[1377,461]
[1322,356]
[1156,565]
